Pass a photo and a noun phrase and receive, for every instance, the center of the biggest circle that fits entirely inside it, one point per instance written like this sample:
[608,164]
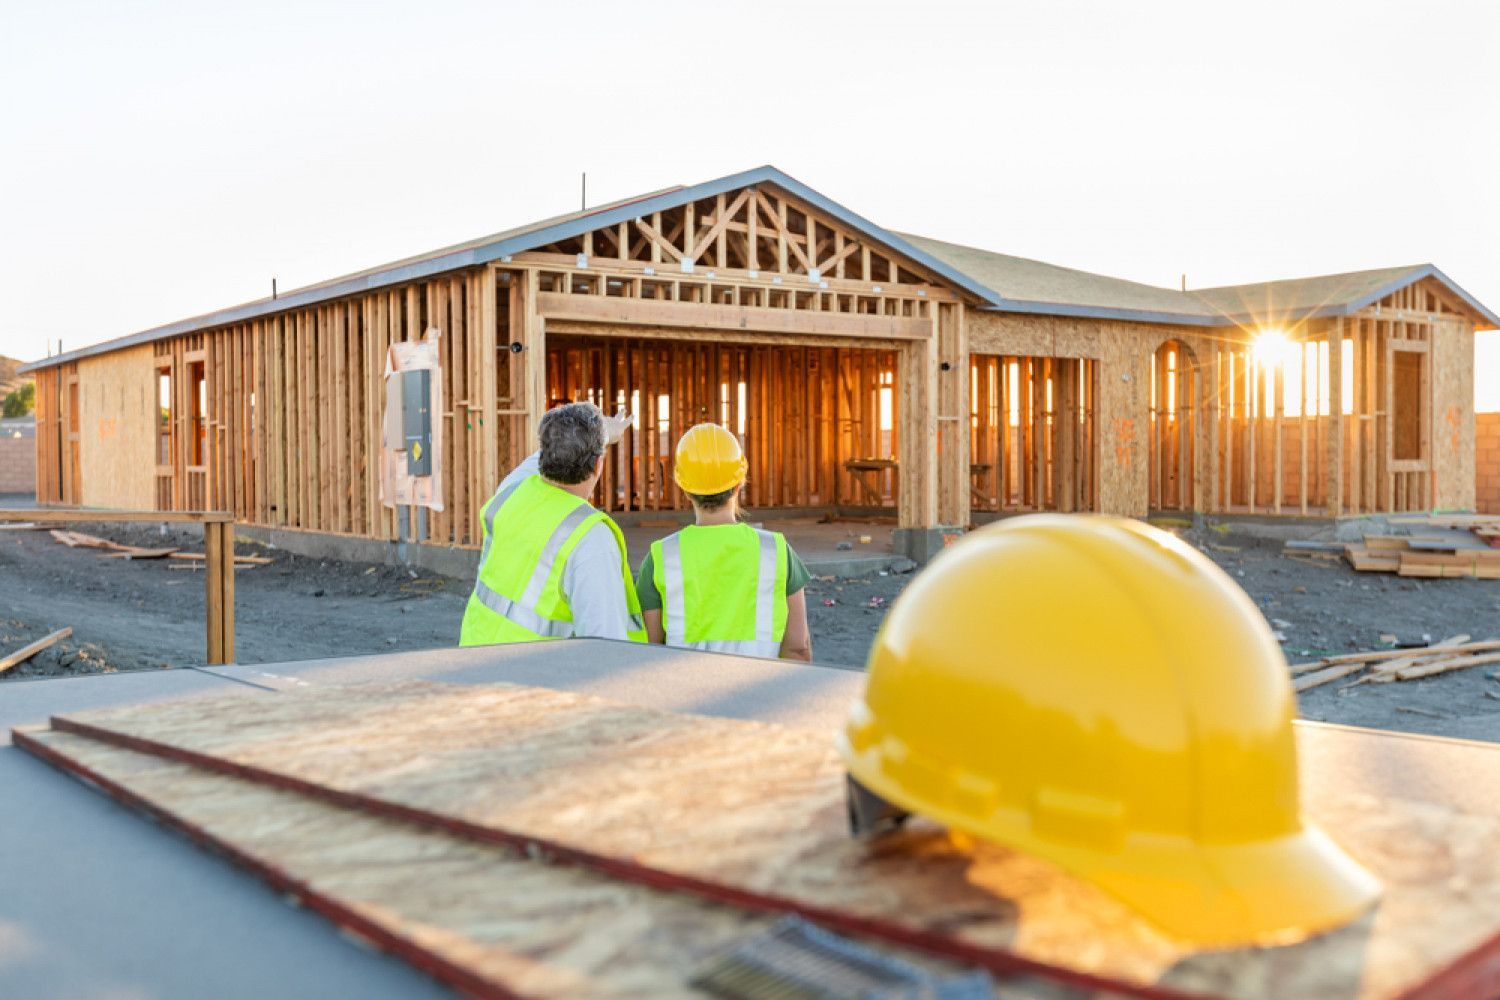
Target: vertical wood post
[1334,458]
[917,490]
[226,589]
[213,590]
[489,419]
[953,412]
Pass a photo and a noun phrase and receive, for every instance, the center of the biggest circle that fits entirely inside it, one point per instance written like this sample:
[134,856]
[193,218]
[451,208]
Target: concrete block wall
[17,464]
[1487,462]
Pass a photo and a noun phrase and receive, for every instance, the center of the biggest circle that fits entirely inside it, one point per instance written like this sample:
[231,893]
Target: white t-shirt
[592,577]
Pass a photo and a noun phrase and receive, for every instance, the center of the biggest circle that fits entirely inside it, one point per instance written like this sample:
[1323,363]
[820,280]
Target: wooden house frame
[870,373]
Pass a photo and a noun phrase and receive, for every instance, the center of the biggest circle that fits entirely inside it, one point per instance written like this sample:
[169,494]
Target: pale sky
[166,159]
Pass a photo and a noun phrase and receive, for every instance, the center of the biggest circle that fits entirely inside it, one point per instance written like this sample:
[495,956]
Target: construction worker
[552,565]
[720,584]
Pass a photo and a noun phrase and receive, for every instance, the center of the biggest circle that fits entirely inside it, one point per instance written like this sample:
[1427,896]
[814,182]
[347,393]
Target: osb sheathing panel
[1453,415]
[758,808]
[1122,417]
[481,916]
[117,429]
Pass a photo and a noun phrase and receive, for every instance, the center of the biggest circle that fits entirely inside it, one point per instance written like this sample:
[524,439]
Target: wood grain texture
[483,918]
[759,808]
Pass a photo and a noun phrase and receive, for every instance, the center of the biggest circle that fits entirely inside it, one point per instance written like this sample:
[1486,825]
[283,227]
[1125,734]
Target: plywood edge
[340,914]
[996,960]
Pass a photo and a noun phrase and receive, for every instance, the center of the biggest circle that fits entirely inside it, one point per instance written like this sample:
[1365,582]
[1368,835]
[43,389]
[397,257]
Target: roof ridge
[1395,268]
[1037,260]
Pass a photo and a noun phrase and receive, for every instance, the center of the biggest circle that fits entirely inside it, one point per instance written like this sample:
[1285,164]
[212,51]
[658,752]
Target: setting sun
[1273,347]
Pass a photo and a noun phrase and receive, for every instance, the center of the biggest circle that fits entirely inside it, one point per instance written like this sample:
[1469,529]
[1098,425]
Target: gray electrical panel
[416,420]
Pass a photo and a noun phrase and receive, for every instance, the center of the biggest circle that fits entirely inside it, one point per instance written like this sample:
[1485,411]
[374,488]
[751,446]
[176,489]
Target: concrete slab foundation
[839,548]
[921,544]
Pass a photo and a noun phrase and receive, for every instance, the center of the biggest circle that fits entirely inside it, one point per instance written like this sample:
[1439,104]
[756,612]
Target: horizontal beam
[747,338]
[708,316]
[764,278]
[56,515]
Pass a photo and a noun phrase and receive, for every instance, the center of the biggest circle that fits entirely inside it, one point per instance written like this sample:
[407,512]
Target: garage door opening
[819,425]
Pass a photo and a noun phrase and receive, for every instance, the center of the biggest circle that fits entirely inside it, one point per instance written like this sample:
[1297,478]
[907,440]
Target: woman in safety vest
[720,584]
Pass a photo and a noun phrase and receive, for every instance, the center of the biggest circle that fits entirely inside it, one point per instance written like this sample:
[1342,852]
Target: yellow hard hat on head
[709,460]
[1096,692]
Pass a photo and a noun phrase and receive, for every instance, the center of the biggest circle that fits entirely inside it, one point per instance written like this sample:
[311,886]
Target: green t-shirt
[645,581]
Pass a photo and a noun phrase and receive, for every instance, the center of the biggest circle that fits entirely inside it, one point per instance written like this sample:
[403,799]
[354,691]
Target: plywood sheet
[1452,378]
[759,809]
[479,916]
[117,429]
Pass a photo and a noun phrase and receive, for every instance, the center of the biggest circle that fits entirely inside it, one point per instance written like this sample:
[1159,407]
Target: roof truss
[756,231]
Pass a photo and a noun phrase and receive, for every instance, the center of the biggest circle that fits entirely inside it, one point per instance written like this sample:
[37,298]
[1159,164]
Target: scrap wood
[88,541]
[133,552]
[76,539]
[1327,674]
[1446,665]
[1394,670]
[248,560]
[1454,643]
[27,652]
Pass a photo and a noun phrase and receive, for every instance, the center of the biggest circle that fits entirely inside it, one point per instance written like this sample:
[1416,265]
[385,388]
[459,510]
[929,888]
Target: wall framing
[869,381]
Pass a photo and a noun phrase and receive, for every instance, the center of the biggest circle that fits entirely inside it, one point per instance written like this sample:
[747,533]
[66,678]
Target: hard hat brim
[1262,892]
[709,487]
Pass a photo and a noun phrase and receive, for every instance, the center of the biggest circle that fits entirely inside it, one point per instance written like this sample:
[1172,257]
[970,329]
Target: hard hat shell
[1096,692]
[709,460]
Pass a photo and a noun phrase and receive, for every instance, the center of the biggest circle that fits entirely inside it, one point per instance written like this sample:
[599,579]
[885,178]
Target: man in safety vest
[552,566]
[720,584]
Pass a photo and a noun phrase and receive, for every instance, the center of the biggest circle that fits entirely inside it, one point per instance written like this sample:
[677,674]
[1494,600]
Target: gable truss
[755,233]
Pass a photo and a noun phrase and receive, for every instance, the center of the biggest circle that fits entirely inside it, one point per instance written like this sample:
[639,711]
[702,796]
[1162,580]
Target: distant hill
[9,380]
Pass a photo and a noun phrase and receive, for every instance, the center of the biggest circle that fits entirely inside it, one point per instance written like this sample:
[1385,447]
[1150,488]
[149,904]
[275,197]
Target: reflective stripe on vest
[523,612]
[674,602]
[538,598]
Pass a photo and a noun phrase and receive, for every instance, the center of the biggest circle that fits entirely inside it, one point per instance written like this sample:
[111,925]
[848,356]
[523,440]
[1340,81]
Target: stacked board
[734,820]
[1447,553]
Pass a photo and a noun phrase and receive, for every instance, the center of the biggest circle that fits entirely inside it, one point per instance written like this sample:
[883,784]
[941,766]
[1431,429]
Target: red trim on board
[996,960]
[1474,975]
[435,965]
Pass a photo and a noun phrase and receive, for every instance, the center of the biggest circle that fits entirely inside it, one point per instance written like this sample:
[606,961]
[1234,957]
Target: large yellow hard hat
[709,460]
[1096,692]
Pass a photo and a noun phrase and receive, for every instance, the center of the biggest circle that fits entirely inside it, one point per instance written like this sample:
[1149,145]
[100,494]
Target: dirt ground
[136,615]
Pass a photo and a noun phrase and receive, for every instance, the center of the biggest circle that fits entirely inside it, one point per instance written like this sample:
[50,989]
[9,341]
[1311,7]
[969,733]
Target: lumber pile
[1442,546]
[1387,665]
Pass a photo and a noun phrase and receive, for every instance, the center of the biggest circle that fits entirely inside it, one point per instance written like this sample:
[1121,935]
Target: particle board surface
[759,808]
[480,916]
[487,919]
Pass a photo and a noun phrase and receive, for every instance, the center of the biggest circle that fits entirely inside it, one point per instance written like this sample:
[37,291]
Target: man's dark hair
[572,440]
[714,501]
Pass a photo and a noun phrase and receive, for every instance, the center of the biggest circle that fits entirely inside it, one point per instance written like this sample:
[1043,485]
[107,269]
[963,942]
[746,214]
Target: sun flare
[1273,347]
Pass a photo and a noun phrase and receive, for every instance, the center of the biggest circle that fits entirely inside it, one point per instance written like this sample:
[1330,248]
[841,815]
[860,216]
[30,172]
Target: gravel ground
[134,615]
[1319,606]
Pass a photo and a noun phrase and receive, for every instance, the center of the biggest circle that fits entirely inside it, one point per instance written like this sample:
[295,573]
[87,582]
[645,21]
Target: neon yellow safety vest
[723,588]
[518,594]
